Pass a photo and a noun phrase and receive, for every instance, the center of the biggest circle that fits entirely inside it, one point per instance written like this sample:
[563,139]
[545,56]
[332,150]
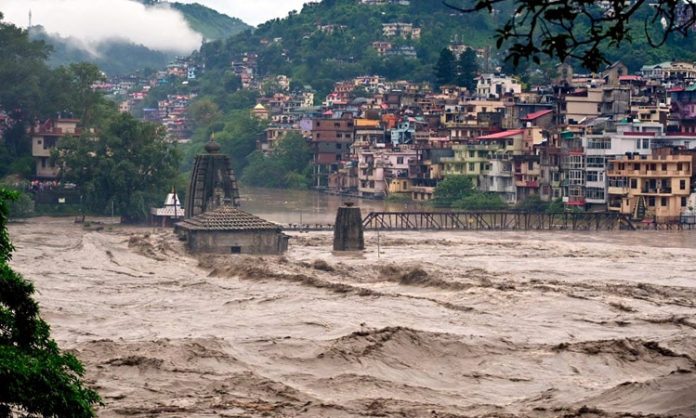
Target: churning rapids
[437,325]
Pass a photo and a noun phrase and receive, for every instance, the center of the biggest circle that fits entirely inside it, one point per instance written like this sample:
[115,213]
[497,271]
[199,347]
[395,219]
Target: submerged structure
[170,213]
[214,223]
[229,230]
[212,182]
[348,229]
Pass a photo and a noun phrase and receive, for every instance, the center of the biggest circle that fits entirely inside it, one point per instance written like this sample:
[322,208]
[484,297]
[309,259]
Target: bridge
[484,220]
[496,220]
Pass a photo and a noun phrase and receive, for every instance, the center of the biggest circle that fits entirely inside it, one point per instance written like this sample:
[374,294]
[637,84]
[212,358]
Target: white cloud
[93,21]
[252,12]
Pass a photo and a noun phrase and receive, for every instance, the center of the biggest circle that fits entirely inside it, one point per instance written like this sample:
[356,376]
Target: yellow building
[650,187]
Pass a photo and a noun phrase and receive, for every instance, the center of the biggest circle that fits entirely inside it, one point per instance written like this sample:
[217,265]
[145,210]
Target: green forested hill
[119,57]
[208,22]
[296,46]
[116,57]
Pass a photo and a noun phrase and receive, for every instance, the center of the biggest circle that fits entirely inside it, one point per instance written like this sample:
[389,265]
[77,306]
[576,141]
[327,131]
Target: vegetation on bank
[38,378]
[459,192]
[117,162]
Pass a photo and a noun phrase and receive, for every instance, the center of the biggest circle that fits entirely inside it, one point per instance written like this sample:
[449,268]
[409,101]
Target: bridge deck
[496,220]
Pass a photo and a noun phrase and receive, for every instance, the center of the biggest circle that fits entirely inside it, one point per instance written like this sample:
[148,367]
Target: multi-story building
[656,186]
[331,140]
[494,86]
[670,72]
[44,139]
[403,30]
[489,159]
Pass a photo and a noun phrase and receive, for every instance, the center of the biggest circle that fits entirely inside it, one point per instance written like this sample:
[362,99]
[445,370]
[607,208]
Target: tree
[287,166]
[467,70]
[480,201]
[238,137]
[203,112]
[583,29]
[452,189]
[37,377]
[445,69]
[127,166]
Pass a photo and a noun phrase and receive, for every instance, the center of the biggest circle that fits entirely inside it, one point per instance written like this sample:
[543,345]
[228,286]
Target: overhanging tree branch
[581,29]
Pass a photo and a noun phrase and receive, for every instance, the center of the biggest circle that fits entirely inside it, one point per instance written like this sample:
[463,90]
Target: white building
[493,86]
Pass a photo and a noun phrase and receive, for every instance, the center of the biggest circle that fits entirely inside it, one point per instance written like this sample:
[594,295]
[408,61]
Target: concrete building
[493,86]
[44,139]
[331,141]
[653,187]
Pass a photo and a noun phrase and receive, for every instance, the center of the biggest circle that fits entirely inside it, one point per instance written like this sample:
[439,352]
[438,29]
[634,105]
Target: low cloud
[95,21]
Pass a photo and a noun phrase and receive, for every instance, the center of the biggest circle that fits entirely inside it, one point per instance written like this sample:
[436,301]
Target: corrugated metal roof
[537,114]
[503,134]
[227,218]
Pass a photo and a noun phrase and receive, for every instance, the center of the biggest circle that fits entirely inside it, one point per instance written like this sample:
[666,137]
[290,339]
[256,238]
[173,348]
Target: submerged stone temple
[229,230]
[214,223]
[212,182]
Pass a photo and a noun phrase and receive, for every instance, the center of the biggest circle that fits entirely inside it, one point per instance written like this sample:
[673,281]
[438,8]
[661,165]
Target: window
[664,167]
[597,162]
[399,160]
[338,157]
[472,166]
[646,143]
[235,250]
[651,201]
[592,176]
[634,184]
[682,185]
[338,146]
[679,166]
[663,201]
[594,193]
[684,202]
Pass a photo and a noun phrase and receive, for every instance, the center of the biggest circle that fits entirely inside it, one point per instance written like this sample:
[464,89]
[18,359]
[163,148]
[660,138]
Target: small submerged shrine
[214,223]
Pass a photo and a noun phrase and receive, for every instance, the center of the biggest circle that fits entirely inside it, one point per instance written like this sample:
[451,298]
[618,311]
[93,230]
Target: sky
[161,28]
[252,12]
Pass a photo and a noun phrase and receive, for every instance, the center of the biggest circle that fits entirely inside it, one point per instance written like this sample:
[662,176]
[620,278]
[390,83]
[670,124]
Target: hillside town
[608,141]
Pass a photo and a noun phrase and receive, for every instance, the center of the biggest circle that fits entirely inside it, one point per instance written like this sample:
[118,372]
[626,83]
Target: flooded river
[310,207]
[450,324]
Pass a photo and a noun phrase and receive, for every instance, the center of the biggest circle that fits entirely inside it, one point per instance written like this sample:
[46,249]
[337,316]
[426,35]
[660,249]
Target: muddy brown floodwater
[464,324]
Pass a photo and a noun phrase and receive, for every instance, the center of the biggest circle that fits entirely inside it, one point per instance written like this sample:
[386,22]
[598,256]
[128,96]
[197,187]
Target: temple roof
[227,218]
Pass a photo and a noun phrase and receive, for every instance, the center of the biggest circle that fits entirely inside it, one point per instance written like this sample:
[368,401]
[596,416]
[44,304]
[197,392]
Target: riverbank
[450,324]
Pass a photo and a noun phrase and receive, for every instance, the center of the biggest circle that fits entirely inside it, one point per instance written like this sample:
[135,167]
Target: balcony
[618,190]
[527,184]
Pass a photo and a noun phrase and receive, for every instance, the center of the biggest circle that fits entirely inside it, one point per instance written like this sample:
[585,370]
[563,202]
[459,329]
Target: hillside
[114,57]
[333,40]
[120,57]
[208,22]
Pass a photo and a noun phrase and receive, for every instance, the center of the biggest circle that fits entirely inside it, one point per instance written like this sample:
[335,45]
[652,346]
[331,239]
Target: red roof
[537,114]
[503,134]
[630,78]
[675,89]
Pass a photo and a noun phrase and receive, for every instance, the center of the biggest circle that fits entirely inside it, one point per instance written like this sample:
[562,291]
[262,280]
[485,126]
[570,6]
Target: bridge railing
[496,220]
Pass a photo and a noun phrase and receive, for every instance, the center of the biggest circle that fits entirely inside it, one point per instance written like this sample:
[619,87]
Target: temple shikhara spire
[213,182]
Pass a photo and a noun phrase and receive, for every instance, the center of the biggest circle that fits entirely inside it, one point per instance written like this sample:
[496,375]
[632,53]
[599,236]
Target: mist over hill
[121,53]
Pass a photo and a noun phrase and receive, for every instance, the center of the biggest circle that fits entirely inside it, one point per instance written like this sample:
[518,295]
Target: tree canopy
[582,29]
[126,165]
[288,165]
[37,377]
